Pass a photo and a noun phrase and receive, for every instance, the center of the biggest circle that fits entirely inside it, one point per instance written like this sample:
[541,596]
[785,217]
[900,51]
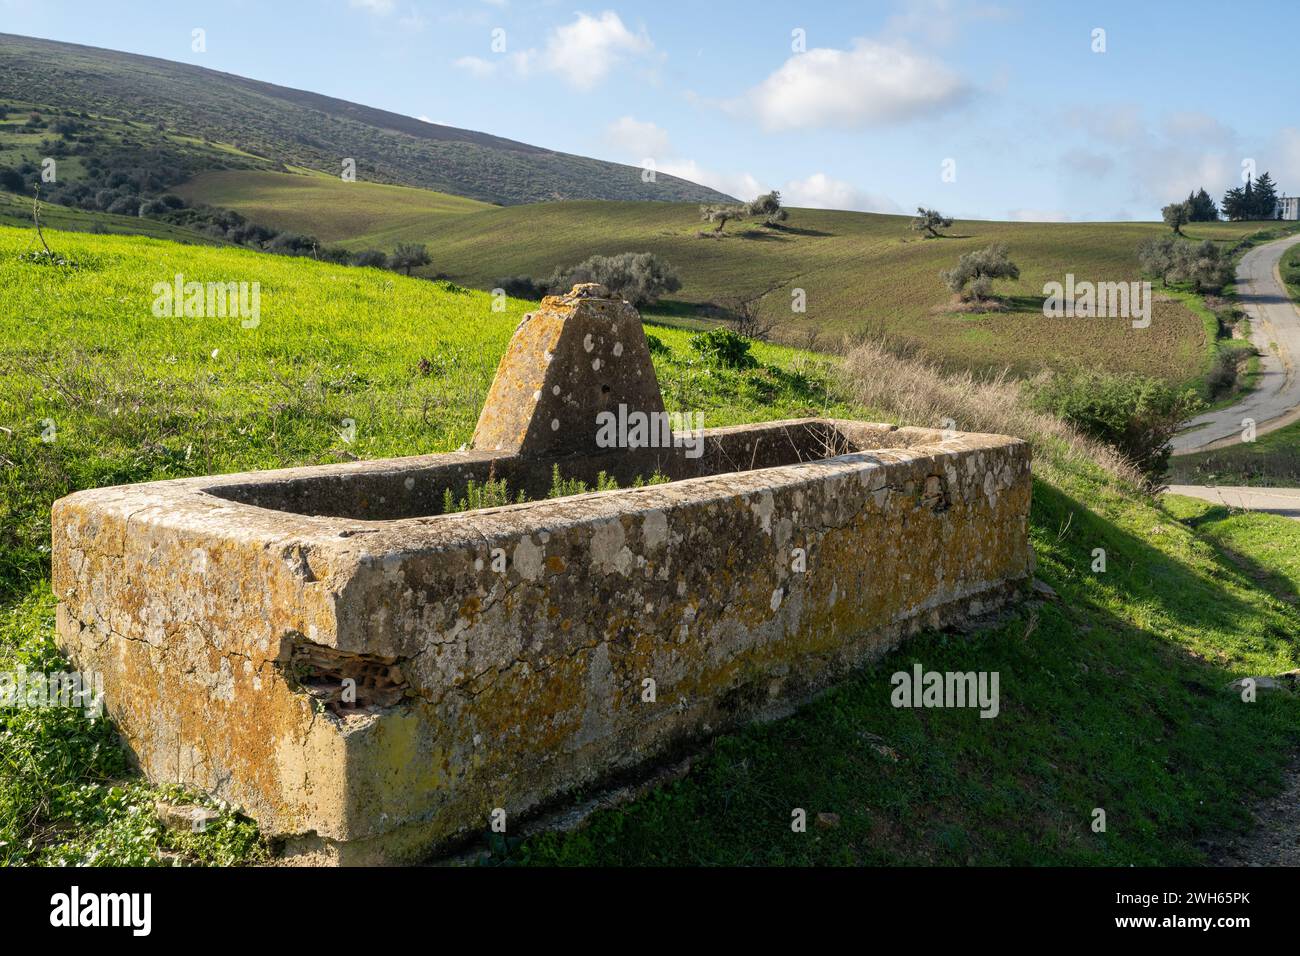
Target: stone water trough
[372,679]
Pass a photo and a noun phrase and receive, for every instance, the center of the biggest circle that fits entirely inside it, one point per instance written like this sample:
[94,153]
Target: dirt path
[1275,838]
[1275,332]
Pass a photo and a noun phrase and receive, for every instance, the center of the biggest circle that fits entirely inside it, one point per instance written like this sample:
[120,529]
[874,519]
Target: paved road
[1277,501]
[1275,321]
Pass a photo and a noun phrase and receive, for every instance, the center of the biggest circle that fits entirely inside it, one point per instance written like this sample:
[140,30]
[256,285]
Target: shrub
[638,277]
[769,207]
[125,206]
[290,244]
[336,254]
[373,258]
[1206,265]
[975,271]
[408,256]
[12,180]
[723,348]
[1135,414]
[520,287]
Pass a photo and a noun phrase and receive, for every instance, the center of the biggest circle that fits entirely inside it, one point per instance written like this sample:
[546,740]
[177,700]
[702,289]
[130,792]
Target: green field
[369,215]
[1112,696]
[17,211]
[862,273]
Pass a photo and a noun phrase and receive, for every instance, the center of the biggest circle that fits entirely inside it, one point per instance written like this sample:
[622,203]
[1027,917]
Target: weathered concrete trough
[371,678]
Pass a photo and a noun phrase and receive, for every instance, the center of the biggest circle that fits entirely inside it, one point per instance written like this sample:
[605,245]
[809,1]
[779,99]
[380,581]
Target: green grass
[133,397]
[863,273]
[1265,546]
[1111,697]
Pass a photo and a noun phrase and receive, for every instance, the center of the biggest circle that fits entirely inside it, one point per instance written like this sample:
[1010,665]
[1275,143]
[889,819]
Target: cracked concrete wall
[502,654]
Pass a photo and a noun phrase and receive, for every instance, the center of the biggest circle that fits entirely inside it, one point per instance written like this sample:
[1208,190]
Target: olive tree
[975,272]
[930,221]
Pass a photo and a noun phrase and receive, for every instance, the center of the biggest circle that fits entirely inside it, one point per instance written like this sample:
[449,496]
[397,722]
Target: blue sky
[1008,98]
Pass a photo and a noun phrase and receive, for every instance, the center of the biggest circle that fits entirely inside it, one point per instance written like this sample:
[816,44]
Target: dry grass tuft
[917,391]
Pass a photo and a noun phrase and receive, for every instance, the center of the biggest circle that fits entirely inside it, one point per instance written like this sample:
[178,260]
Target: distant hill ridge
[297,127]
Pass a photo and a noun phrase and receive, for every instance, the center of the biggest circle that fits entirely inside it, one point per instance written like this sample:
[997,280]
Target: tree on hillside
[973,277]
[12,180]
[638,277]
[1234,203]
[930,221]
[1176,215]
[720,213]
[1206,265]
[1265,206]
[1239,202]
[1202,207]
[1158,257]
[408,256]
[769,207]
[374,258]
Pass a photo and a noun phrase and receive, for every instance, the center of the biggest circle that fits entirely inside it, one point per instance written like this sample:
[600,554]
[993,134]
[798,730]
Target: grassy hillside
[299,128]
[16,211]
[862,272]
[1112,696]
[370,215]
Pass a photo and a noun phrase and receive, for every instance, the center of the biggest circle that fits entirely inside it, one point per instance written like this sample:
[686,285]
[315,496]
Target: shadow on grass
[803,231]
[1276,584]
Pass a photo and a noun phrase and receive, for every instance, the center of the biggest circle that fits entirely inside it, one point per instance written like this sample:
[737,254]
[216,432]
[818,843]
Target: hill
[862,273]
[1112,696]
[298,128]
[368,215]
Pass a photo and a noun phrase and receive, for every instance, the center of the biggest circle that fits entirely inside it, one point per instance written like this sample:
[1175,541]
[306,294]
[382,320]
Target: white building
[1288,207]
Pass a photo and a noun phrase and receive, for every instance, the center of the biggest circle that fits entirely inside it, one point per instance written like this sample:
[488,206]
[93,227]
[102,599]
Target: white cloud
[739,185]
[820,191]
[870,84]
[381,8]
[638,138]
[1161,159]
[584,52]
[476,66]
